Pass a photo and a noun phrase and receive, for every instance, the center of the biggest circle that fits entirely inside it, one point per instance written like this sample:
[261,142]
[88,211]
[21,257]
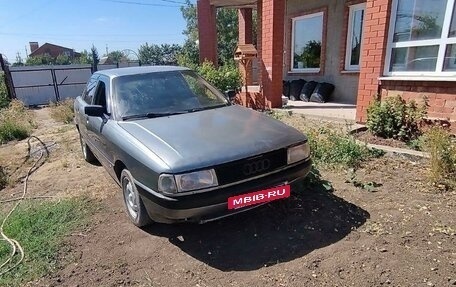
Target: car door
[85,99]
[96,126]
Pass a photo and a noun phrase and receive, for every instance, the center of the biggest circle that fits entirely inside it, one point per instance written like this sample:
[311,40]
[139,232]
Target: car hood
[201,139]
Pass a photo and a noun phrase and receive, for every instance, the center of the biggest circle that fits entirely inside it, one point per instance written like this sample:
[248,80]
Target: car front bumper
[212,205]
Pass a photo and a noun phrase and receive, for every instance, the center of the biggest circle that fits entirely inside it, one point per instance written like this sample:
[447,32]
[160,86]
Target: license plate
[257,197]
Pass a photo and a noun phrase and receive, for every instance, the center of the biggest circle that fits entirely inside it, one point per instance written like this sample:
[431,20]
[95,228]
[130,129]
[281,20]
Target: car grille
[247,168]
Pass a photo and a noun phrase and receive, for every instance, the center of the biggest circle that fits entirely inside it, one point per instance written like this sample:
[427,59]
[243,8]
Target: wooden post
[8,79]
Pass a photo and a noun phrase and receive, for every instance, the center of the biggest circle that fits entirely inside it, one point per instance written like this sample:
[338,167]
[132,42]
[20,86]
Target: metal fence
[40,85]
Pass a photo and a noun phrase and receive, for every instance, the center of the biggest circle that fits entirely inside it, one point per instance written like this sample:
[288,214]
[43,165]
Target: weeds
[442,150]
[395,118]
[16,122]
[4,100]
[335,148]
[3,178]
[40,228]
[63,111]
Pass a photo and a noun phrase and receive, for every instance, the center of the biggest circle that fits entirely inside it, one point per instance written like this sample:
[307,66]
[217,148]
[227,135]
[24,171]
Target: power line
[146,4]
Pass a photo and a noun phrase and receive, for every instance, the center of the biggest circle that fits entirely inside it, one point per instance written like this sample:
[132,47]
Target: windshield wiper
[153,115]
[206,108]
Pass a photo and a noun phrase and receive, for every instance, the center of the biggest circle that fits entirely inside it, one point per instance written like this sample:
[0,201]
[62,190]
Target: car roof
[112,73]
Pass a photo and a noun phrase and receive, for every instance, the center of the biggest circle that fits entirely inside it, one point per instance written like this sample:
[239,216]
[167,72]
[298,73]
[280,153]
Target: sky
[115,24]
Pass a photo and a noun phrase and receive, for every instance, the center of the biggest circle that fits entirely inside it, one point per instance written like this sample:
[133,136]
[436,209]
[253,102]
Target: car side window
[100,95]
[89,91]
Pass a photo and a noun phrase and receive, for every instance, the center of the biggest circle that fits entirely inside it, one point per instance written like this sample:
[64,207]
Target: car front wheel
[135,207]
[86,152]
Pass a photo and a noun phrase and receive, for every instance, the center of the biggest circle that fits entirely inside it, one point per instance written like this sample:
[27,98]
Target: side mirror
[94,111]
[230,94]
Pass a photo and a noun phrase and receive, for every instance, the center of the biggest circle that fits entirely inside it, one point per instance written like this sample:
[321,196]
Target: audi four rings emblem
[256,167]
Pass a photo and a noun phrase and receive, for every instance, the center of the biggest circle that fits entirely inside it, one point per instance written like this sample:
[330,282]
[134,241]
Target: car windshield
[164,93]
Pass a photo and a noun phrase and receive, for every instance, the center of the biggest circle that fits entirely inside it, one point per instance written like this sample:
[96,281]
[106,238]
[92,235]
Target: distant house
[51,50]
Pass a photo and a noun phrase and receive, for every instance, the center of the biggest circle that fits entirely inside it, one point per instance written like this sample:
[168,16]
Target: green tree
[164,54]
[39,60]
[117,56]
[95,57]
[84,58]
[227,33]
[19,61]
[62,59]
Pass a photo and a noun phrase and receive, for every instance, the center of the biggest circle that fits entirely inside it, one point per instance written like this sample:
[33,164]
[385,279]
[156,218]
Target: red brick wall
[273,15]
[207,31]
[441,96]
[375,38]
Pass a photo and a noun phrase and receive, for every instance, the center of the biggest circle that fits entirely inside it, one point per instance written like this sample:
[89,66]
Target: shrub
[4,100]
[332,147]
[442,150]
[63,111]
[395,118]
[223,78]
[16,122]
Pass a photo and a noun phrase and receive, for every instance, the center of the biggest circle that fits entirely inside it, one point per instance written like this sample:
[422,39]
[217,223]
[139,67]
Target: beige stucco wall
[346,84]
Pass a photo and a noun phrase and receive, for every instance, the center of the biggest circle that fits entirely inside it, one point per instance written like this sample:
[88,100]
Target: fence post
[56,87]
[8,79]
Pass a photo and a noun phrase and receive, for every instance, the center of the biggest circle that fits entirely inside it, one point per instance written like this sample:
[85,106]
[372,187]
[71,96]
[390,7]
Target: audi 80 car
[179,150]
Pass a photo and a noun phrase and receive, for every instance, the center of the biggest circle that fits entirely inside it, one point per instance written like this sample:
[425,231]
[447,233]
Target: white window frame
[348,46]
[442,42]
[294,20]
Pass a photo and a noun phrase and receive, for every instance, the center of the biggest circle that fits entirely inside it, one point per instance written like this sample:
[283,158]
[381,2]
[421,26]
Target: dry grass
[442,150]
[63,111]
[16,122]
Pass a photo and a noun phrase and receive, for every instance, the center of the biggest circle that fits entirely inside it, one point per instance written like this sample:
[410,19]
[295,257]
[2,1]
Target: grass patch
[4,100]
[331,144]
[442,150]
[16,122]
[63,111]
[40,227]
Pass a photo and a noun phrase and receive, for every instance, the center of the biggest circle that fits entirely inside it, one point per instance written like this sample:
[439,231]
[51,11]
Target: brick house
[51,50]
[364,47]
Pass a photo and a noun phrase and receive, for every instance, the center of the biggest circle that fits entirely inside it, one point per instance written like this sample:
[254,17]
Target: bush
[4,100]
[223,78]
[394,118]
[332,147]
[16,122]
[442,150]
[63,111]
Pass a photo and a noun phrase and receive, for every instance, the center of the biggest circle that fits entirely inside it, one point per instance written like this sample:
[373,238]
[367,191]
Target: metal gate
[41,85]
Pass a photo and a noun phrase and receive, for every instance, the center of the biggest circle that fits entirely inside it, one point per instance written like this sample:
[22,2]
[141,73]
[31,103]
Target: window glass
[453,24]
[419,20]
[307,41]
[88,97]
[450,58]
[100,97]
[416,59]
[164,92]
[354,37]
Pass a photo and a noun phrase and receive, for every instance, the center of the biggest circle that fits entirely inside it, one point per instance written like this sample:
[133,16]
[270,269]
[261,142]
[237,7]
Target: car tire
[134,205]
[86,151]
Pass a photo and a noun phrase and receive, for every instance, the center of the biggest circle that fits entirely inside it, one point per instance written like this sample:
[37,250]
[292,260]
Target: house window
[307,34]
[354,35]
[422,39]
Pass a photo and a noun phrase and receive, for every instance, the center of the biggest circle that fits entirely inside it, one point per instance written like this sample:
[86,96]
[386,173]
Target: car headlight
[298,153]
[196,180]
[169,183]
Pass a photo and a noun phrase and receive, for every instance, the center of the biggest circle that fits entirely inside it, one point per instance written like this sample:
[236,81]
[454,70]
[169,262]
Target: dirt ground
[401,235]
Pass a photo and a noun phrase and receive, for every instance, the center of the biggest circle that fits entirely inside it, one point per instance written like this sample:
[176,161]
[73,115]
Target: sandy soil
[401,235]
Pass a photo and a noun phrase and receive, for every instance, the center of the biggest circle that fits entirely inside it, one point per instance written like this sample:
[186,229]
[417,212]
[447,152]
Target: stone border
[409,153]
